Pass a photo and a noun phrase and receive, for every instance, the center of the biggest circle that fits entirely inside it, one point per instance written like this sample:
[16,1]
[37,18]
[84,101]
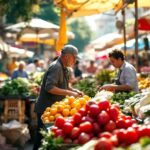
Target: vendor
[126,78]
[55,86]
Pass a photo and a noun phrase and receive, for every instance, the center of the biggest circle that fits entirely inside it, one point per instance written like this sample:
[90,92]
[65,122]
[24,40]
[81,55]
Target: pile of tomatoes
[102,121]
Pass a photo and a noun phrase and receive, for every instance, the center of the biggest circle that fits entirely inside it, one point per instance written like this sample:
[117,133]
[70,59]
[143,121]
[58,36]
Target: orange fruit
[48,109]
[71,99]
[82,101]
[57,115]
[73,104]
[67,107]
[77,106]
[46,120]
[66,112]
[53,111]
[60,108]
[47,114]
[51,118]
[73,111]
[86,97]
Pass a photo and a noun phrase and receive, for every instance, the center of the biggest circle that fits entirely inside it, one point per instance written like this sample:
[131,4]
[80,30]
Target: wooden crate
[14,109]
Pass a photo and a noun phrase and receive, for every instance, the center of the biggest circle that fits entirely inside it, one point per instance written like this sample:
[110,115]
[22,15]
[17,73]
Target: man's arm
[111,87]
[58,91]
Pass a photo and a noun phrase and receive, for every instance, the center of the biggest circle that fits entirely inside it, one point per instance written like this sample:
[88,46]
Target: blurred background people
[91,69]
[32,67]
[12,65]
[20,72]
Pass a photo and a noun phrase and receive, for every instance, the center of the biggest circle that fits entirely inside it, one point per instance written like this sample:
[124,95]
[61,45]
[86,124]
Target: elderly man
[126,79]
[55,85]
[20,71]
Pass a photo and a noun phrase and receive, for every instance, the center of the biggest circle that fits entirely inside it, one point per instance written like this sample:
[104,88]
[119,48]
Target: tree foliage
[82,33]
[17,9]
[49,12]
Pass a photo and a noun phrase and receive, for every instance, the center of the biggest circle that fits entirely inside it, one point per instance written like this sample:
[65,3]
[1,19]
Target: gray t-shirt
[128,76]
[56,75]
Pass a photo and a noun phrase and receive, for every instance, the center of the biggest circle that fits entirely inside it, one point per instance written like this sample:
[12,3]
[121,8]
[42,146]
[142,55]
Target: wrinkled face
[117,63]
[70,60]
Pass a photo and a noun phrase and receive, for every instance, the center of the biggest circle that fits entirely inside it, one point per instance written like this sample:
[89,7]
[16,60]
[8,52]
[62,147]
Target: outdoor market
[75,75]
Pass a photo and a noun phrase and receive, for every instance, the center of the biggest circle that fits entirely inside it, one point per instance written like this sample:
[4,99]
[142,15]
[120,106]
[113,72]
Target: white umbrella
[35,25]
[14,51]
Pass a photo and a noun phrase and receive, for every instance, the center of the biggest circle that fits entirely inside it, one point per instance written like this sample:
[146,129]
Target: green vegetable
[49,142]
[144,141]
[88,86]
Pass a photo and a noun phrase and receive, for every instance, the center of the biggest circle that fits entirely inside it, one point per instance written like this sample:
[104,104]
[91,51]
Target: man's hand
[108,87]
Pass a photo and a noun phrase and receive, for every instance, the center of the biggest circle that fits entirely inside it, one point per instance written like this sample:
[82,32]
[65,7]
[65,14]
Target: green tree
[82,33]
[17,9]
[48,12]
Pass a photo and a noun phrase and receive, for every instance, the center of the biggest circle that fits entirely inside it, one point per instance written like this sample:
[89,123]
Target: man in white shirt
[126,78]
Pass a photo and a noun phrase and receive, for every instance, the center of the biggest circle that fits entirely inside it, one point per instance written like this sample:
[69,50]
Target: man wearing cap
[55,85]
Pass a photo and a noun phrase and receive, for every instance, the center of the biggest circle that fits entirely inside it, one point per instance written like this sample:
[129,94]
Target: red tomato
[105,135]
[96,128]
[121,135]
[67,141]
[94,110]
[59,122]
[103,118]
[120,123]
[110,126]
[114,140]
[87,106]
[86,127]
[67,128]
[131,136]
[77,118]
[103,144]
[54,129]
[59,133]
[82,111]
[87,118]
[104,104]
[83,138]
[75,133]
[113,113]
[143,131]
[128,123]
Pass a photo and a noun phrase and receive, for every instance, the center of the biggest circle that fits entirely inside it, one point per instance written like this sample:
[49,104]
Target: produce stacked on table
[96,120]
[143,83]
[120,97]
[65,108]
[139,105]
[105,76]
[88,86]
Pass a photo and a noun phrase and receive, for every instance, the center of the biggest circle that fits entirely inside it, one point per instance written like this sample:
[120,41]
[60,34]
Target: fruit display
[105,76]
[143,83]
[96,120]
[67,107]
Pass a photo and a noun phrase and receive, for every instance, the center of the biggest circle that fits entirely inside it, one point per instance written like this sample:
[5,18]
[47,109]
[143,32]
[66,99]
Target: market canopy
[14,51]
[78,8]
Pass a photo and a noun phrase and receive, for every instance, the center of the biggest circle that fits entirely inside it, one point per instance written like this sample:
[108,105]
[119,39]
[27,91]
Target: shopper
[126,79]
[55,86]
[20,72]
